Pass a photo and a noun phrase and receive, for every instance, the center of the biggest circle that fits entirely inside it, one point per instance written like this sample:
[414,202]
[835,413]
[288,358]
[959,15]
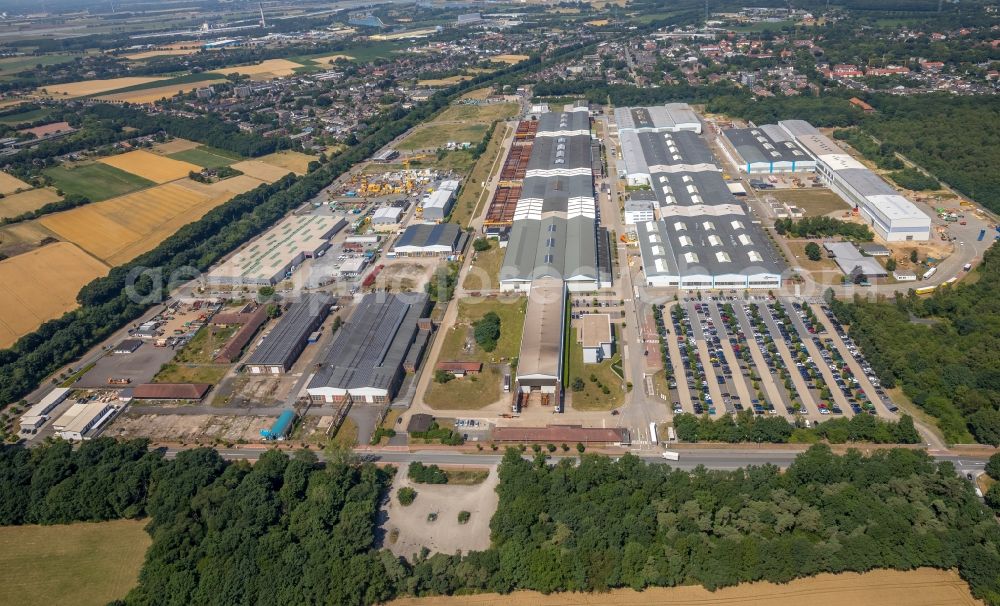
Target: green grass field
[28,116]
[471,309]
[96,181]
[468,393]
[592,397]
[433,136]
[485,270]
[471,200]
[814,202]
[10,66]
[80,564]
[206,157]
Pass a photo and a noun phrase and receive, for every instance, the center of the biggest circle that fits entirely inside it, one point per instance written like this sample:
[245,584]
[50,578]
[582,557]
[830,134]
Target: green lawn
[433,136]
[592,397]
[12,65]
[484,114]
[472,309]
[206,157]
[471,198]
[485,271]
[96,181]
[28,116]
[201,349]
[82,564]
[469,393]
[814,202]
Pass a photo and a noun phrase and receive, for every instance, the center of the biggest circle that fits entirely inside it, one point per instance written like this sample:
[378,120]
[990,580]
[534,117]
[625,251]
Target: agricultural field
[266,70]
[26,202]
[12,65]
[41,285]
[443,81]
[151,166]
[10,184]
[82,564]
[296,162]
[27,116]
[92,87]
[261,170]
[231,186]
[920,587]
[509,59]
[152,95]
[434,136]
[205,156]
[122,228]
[174,146]
[329,60]
[95,180]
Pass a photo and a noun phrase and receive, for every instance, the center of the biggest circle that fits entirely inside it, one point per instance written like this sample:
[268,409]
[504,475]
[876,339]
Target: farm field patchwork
[83,564]
[175,145]
[95,180]
[261,170]
[10,184]
[920,587]
[509,59]
[92,87]
[266,70]
[26,201]
[12,65]
[231,186]
[41,285]
[296,162]
[151,166]
[151,95]
[205,156]
[122,228]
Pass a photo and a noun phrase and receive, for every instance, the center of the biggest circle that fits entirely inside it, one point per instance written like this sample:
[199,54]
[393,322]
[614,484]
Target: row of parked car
[859,357]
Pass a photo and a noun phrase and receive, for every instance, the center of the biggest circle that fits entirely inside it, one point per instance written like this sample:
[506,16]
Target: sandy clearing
[122,228]
[26,201]
[41,285]
[261,170]
[921,587]
[10,184]
[92,87]
[151,166]
[151,95]
[444,535]
[266,70]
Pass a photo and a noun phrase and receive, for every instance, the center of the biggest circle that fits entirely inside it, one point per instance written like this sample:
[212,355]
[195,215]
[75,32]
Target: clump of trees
[406,496]
[947,368]
[911,178]
[426,474]
[883,155]
[747,427]
[487,331]
[823,227]
[992,496]
[436,433]
[813,251]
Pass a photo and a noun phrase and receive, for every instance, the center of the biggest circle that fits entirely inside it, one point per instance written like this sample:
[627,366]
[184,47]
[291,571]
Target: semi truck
[671,455]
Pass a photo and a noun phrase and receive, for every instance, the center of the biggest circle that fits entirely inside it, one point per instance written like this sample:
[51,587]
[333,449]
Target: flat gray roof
[283,344]
[755,145]
[544,319]
[848,257]
[425,235]
[370,347]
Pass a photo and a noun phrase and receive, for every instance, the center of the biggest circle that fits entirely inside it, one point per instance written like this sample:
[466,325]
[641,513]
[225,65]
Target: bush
[426,474]
[992,497]
[993,466]
[406,496]
[813,251]
[481,244]
[463,517]
[443,376]
[487,331]
[578,384]
[580,448]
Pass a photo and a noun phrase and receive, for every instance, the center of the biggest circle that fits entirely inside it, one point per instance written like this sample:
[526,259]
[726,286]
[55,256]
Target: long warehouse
[554,233]
[365,361]
[893,217]
[766,149]
[280,348]
[703,237]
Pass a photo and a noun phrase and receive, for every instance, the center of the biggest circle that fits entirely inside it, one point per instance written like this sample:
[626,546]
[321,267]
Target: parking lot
[766,355]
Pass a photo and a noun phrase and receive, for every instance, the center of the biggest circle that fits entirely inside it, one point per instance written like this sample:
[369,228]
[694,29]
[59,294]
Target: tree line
[947,367]
[774,429]
[290,530]
[823,227]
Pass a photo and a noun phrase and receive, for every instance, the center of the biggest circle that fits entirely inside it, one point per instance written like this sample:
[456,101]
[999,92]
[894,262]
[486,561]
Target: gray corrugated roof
[369,349]
[747,143]
[866,182]
[423,235]
[574,151]
[283,344]
[551,121]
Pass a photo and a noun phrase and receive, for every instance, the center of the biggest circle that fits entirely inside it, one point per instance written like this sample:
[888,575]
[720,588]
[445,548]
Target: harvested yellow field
[921,587]
[296,162]
[266,70]
[443,81]
[598,22]
[174,145]
[327,60]
[92,87]
[152,95]
[26,201]
[10,184]
[163,52]
[261,170]
[509,59]
[122,228]
[41,285]
[151,166]
[417,33]
[232,186]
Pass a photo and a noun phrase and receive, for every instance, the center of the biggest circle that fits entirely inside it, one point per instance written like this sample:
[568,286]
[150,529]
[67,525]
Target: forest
[950,367]
[291,530]
[746,427]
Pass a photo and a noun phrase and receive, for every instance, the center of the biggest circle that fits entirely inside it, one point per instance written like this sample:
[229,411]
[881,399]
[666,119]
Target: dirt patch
[42,285]
[189,429]
[407,529]
[921,587]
